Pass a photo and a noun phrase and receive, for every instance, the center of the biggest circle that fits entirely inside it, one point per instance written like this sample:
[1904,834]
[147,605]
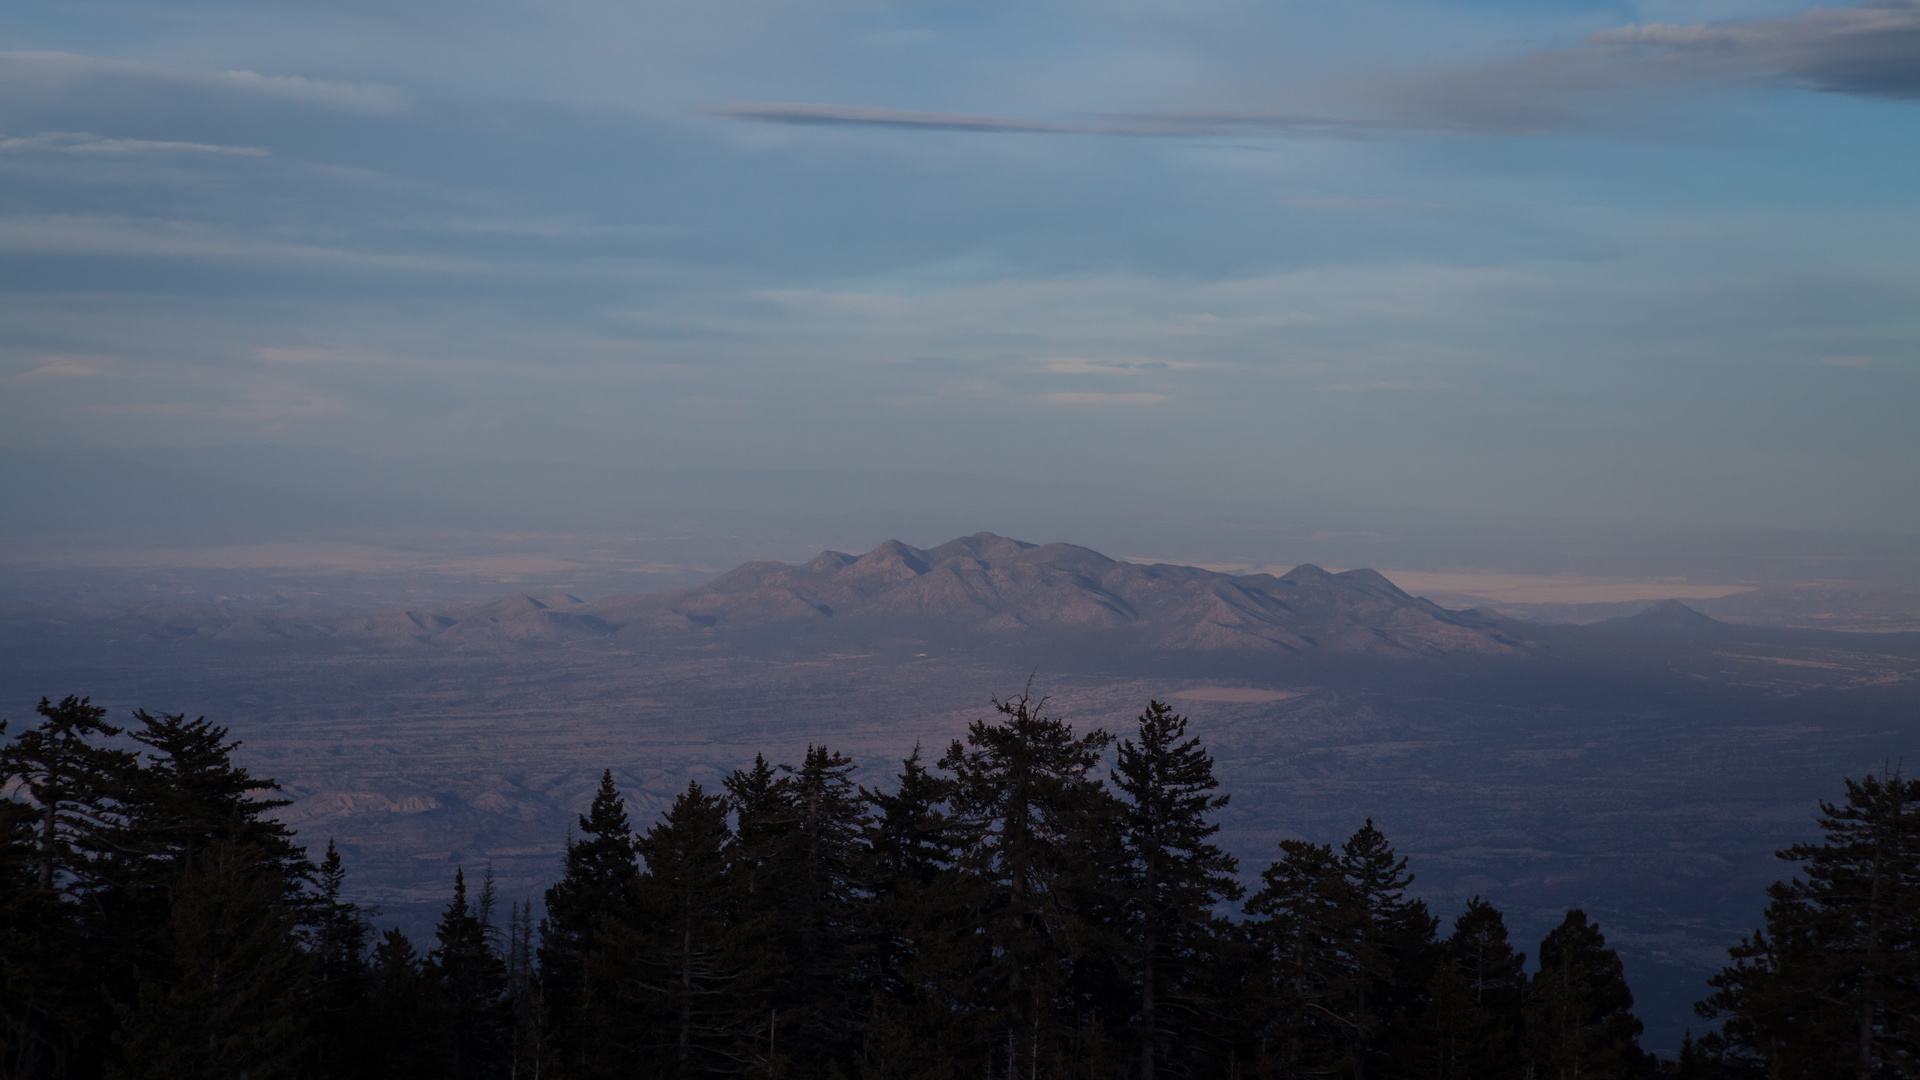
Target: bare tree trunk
[1863,1064]
[49,814]
[686,999]
[1863,1060]
[1147,1018]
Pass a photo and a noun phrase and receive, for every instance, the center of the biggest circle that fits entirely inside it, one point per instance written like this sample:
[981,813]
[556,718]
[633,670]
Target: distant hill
[1670,615]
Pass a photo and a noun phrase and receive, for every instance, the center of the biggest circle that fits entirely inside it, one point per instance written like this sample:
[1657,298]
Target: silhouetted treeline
[1036,902]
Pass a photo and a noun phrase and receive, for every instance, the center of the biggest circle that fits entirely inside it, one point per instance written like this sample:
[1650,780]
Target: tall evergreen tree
[472,984]
[690,965]
[908,846]
[527,1051]
[189,794]
[402,1017]
[761,857]
[1026,808]
[41,1019]
[1171,879]
[1828,988]
[231,998]
[1390,938]
[73,781]
[1351,957]
[816,912]
[339,975]
[1472,1026]
[586,909]
[911,930]
[1580,1023]
[1301,925]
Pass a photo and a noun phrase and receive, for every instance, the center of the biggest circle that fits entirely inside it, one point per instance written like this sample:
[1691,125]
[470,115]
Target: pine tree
[339,944]
[230,999]
[1301,925]
[1828,988]
[907,848]
[527,1049]
[816,911]
[402,1019]
[1580,1023]
[1026,811]
[182,796]
[594,897]
[761,845]
[1350,957]
[485,906]
[472,984]
[1391,941]
[1171,879]
[40,979]
[762,856]
[190,794]
[911,930]
[73,782]
[1472,1026]
[689,964]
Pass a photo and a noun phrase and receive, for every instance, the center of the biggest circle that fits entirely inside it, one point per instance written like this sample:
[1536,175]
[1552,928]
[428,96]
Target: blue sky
[1655,261]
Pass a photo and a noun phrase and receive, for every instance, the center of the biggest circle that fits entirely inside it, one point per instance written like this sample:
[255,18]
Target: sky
[1652,261]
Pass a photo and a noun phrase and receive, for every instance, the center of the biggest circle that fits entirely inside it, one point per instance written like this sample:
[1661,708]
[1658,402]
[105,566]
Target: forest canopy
[1034,901]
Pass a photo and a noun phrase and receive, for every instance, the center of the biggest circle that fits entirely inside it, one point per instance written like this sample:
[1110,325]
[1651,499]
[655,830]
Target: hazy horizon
[271,526]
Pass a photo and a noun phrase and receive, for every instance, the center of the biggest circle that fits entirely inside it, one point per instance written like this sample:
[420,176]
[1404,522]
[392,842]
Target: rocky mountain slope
[999,588]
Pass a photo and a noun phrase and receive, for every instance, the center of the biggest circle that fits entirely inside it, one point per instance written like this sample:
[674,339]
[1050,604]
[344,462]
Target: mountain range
[999,589]
[983,587]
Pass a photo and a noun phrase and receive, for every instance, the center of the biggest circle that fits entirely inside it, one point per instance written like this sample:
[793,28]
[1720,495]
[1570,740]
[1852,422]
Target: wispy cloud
[360,97]
[1162,125]
[63,75]
[80,142]
[1628,72]
[61,369]
[1080,365]
[795,112]
[1366,204]
[1083,399]
[279,356]
[1872,50]
[261,406]
[90,234]
[1381,387]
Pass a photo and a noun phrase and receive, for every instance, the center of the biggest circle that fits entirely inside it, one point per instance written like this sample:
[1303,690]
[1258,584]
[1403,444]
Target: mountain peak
[830,561]
[1675,613]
